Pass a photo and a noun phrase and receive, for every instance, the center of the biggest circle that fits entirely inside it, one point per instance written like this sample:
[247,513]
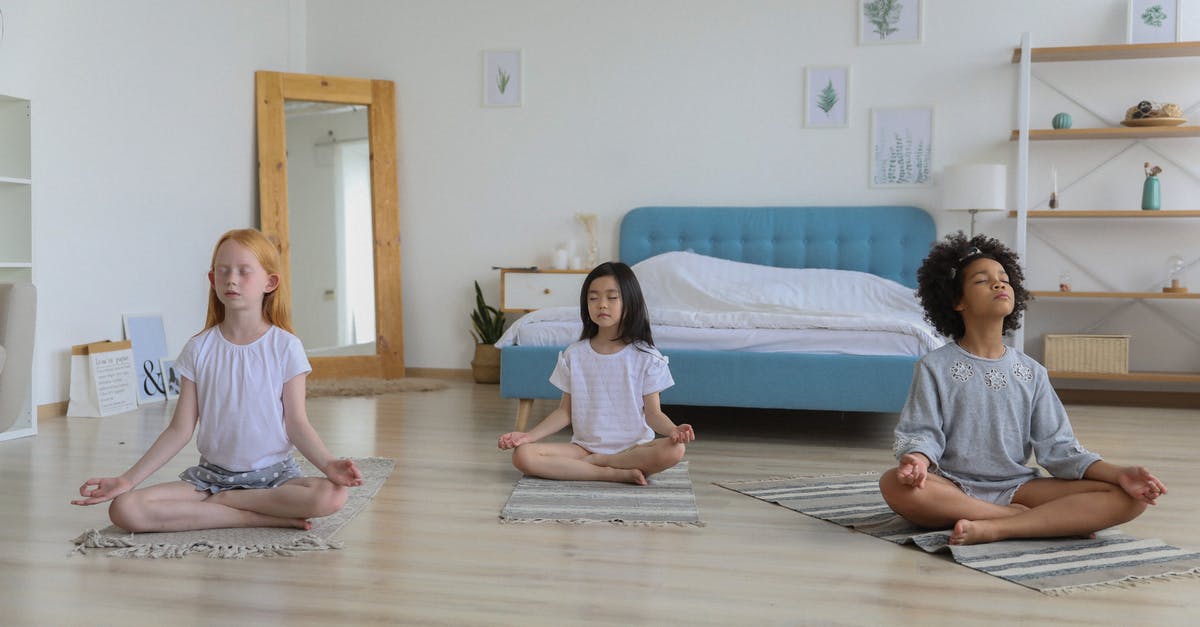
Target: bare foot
[973,532]
[301,523]
[633,475]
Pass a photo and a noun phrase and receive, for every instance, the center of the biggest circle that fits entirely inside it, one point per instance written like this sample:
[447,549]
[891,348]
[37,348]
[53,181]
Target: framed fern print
[1153,22]
[503,78]
[890,21]
[827,96]
[901,146]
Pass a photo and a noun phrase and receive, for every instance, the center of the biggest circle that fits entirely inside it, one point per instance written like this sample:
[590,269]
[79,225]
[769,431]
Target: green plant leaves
[487,320]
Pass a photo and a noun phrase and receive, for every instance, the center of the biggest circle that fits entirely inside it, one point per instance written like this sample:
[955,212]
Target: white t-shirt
[607,413]
[239,389]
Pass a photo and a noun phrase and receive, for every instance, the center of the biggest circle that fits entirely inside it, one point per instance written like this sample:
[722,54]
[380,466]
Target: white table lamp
[975,188]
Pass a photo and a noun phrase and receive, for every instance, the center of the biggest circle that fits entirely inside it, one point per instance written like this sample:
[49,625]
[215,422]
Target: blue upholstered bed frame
[886,241]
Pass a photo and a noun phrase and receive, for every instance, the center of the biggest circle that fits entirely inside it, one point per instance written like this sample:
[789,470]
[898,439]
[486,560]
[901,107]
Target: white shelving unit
[16,221]
[1025,56]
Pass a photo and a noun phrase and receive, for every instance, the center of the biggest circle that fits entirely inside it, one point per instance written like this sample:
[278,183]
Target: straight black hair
[635,320]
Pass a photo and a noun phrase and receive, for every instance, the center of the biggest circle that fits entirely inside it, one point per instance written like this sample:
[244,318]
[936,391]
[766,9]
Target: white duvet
[689,291]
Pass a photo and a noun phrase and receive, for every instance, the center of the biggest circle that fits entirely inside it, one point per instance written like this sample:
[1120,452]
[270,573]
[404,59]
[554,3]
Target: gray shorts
[998,495]
[212,478]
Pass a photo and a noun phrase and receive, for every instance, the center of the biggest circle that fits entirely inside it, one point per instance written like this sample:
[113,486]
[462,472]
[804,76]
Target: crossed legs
[1041,508]
[572,462]
[179,506]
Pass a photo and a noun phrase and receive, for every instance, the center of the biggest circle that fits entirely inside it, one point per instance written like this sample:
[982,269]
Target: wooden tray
[1154,122]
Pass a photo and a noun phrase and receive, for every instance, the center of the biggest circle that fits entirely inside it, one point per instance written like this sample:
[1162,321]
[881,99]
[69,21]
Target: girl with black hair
[977,410]
[610,381]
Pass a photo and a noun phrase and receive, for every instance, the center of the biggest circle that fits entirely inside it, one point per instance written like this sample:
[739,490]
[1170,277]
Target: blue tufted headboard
[889,242]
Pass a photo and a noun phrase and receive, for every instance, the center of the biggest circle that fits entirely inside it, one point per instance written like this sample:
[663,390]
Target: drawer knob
[546,291]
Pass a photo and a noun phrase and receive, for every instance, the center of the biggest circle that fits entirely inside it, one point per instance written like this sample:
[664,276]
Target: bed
[884,241]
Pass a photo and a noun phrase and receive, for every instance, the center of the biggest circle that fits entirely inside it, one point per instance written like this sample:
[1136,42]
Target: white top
[607,412]
[239,389]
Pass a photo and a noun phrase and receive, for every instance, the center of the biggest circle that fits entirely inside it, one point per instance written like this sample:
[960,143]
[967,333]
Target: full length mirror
[329,225]
[328,199]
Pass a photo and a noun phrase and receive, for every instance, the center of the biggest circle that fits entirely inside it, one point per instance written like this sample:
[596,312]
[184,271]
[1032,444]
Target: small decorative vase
[1062,120]
[1151,194]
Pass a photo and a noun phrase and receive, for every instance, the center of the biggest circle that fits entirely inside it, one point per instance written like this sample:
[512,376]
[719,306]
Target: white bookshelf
[16,222]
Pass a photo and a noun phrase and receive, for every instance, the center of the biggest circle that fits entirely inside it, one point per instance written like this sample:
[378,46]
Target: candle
[1053,187]
[559,259]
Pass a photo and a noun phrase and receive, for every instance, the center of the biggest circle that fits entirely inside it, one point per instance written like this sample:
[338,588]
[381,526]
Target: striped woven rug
[1051,566]
[668,500]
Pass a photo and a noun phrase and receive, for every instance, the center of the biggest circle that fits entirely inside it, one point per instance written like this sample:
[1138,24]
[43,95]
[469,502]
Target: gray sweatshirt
[979,420]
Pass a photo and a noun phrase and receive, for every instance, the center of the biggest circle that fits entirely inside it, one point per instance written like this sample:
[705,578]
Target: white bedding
[699,302]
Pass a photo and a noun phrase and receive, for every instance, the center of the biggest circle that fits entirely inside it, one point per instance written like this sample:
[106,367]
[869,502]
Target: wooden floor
[429,550]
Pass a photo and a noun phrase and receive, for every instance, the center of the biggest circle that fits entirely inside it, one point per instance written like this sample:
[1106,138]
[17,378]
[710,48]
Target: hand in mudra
[343,472]
[512,439]
[101,489]
[913,470]
[683,434]
[1140,484]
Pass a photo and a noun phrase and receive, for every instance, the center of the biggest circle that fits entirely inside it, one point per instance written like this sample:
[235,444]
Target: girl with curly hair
[977,410]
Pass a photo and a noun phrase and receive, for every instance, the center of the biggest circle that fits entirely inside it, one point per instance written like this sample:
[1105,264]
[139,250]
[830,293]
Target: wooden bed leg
[524,407]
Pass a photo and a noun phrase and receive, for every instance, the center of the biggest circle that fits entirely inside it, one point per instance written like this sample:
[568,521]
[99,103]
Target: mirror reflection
[329,217]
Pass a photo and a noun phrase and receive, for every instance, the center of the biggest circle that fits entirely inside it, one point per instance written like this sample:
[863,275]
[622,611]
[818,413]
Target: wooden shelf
[1112,132]
[1107,213]
[1110,53]
[1164,377]
[1126,295]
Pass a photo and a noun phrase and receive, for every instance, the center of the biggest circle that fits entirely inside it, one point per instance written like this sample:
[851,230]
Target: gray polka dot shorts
[213,478]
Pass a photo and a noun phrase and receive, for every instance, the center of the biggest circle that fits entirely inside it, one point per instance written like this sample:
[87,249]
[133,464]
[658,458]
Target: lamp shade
[981,187]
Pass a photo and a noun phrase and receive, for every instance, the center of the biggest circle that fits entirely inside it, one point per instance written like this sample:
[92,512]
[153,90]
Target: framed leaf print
[890,21]
[901,146]
[503,78]
[827,96]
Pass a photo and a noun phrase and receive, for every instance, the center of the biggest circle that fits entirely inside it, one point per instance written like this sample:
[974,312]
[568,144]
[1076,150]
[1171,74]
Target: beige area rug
[245,542]
[360,386]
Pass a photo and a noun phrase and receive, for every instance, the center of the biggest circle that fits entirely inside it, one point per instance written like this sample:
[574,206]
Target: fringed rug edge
[127,547]
[1131,581]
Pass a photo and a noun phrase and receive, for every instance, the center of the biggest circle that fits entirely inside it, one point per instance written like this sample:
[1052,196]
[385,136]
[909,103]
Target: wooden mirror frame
[379,96]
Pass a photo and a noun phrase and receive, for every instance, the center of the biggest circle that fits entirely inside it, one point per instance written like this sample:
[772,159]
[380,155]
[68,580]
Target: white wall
[143,154]
[630,103]
[142,159]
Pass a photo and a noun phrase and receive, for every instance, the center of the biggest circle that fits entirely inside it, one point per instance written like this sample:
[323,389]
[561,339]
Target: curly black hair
[940,280]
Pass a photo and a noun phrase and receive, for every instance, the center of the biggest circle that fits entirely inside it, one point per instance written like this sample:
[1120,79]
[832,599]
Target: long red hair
[277,304]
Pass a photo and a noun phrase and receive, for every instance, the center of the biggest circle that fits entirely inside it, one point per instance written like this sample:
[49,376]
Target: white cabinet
[528,290]
[16,225]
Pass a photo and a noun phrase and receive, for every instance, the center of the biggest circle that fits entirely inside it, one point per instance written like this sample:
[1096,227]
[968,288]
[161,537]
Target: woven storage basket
[1102,354]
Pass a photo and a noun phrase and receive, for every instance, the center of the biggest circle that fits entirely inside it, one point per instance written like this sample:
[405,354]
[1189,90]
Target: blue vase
[1062,120]
[1151,194]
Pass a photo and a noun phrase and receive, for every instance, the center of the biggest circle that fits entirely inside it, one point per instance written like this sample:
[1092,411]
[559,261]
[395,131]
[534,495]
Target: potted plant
[489,326]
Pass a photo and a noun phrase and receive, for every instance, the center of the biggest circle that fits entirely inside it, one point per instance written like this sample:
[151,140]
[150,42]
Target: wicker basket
[1107,354]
